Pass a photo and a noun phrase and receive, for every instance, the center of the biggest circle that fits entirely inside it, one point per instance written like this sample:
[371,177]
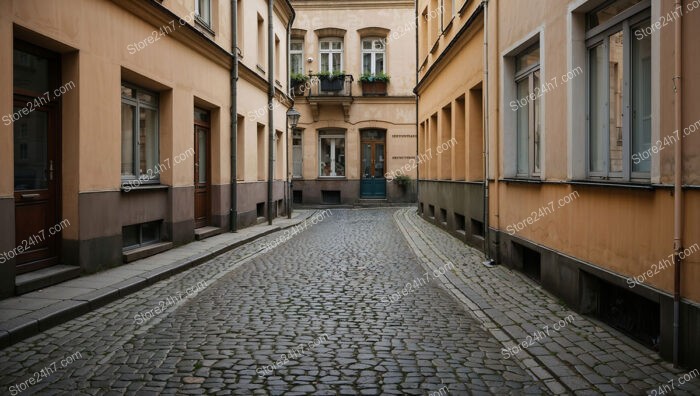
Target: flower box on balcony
[374,84]
[374,88]
[332,82]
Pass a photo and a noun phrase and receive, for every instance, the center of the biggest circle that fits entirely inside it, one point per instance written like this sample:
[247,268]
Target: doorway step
[45,277]
[206,232]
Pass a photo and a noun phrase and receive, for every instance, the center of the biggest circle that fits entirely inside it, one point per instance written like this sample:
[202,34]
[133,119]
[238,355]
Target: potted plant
[332,82]
[403,181]
[374,84]
[299,83]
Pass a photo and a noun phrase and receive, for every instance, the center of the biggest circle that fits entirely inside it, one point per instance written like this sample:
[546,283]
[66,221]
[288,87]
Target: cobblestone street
[361,293]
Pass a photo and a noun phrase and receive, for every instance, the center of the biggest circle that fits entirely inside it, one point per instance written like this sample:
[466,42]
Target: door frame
[374,143]
[207,127]
[54,109]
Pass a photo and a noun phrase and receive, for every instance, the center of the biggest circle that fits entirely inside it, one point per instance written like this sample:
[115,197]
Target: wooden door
[37,165]
[201,168]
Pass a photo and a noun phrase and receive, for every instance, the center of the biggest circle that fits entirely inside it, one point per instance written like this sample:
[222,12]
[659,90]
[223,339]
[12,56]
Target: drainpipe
[487,233]
[233,213]
[270,111]
[286,122]
[417,121]
[677,190]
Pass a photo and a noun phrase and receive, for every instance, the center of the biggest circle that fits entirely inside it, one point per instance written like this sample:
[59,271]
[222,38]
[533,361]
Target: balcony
[327,90]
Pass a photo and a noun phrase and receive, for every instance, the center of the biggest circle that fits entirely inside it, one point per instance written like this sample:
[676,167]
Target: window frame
[198,13]
[329,52]
[625,22]
[373,54]
[135,130]
[297,134]
[293,52]
[332,135]
[533,143]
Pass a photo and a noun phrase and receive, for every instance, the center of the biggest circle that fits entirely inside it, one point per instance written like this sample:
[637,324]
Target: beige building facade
[116,134]
[357,130]
[592,146]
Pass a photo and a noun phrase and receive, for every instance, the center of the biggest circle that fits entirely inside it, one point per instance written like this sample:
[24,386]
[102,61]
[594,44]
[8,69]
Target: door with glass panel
[201,168]
[373,154]
[37,169]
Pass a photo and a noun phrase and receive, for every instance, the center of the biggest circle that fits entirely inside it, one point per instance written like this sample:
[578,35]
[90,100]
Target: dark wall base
[7,243]
[311,191]
[579,284]
[455,198]
[252,194]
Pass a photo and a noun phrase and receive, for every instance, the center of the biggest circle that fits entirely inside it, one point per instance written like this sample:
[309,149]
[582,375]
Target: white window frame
[205,19]
[373,53]
[148,175]
[599,35]
[296,134]
[329,53]
[534,142]
[299,52]
[331,135]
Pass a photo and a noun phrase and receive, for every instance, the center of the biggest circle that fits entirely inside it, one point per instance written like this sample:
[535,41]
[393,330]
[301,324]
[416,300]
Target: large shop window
[331,154]
[139,134]
[619,91]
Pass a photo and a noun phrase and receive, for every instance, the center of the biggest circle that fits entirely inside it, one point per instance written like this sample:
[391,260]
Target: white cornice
[352,4]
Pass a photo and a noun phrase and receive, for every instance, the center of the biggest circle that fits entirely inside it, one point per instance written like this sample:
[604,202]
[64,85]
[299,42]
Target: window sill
[435,46]
[594,183]
[332,178]
[260,69]
[464,7]
[204,26]
[448,26]
[143,187]
[520,180]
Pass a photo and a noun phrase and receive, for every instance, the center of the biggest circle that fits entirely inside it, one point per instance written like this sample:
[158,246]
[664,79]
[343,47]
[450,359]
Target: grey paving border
[479,308]
[17,329]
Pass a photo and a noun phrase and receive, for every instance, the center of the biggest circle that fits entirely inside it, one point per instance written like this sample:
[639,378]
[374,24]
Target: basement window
[139,235]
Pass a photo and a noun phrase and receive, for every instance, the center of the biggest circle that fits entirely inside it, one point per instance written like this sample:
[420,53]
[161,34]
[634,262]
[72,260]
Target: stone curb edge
[36,322]
[476,308]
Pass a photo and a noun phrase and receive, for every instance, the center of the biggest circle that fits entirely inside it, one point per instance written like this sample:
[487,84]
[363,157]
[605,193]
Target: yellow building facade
[591,119]
[116,134]
[357,130]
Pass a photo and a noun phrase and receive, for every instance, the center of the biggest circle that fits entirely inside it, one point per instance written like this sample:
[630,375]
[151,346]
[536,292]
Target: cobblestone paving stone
[583,357]
[332,281]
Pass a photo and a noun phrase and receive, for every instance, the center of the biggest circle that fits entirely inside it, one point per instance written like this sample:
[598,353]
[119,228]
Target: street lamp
[292,120]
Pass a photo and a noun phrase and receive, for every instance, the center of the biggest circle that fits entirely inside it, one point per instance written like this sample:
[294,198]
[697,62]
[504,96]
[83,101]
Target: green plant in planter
[299,78]
[378,77]
[326,75]
[402,180]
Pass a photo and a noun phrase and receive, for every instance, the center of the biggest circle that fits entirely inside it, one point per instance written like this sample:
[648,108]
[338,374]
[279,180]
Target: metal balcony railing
[326,86]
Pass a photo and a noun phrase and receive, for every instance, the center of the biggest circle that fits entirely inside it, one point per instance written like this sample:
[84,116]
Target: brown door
[37,168]
[201,168]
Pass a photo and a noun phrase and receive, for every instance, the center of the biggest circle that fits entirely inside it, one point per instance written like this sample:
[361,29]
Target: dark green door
[373,183]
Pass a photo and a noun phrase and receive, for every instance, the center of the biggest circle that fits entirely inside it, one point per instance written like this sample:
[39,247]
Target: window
[296,56]
[139,134]
[331,154]
[527,86]
[139,235]
[372,56]
[261,41]
[331,56]
[297,153]
[202,8]
[619,90]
